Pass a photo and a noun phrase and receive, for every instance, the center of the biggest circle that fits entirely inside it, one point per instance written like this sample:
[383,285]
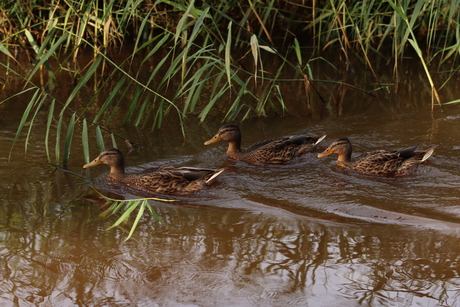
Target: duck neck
[234,147]
[118,170]
[344,158]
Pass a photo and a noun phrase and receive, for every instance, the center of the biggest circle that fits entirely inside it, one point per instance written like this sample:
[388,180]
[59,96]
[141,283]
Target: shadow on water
[306,233]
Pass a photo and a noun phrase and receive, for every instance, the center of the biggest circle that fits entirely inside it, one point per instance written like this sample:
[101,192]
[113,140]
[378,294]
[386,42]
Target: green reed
[197,47]
[128,206]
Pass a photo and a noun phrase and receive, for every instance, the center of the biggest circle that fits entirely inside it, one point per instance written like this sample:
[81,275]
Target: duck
[271,151]
[379,162]
[162,179]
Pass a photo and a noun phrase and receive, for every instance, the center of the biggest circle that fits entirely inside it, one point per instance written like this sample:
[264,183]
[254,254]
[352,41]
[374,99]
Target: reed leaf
[138,217]
[111,98]
[158,117]
[31,123]
[255,54]
[4,50]
[416,47]
[133,104]
[25,115]
[210,104]
[298,52]
[144,25]
[85,141]
[155,215]
[68,140]
[48,128]
[130,205]
[197,27]
[57,146]
[141,111]
[453,101]
[227,53]
[114,141]
[124,217]
[89,73]
[181,24]
[99,139]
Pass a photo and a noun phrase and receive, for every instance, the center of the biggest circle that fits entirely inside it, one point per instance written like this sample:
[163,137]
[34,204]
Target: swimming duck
[272,151]
[380,162]
[163,179]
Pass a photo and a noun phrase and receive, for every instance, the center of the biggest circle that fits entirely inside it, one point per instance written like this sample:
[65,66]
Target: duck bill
[93,163]
[215,139]
[323,154]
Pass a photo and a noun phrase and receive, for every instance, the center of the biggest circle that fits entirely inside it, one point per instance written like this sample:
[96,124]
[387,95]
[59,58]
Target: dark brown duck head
[111,157]
[230,133]
[341,147]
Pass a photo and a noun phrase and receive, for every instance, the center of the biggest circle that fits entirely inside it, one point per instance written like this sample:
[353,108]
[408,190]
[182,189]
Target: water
[304,234]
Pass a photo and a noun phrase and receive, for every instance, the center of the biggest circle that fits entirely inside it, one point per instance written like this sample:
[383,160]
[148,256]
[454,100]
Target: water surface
[303,234]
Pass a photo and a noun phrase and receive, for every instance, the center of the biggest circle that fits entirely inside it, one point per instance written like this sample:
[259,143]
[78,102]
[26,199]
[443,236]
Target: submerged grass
[113,207]
[201,57]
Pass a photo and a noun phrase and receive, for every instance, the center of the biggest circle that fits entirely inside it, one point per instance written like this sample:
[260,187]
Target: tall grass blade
[114,141]
[44,57]
[298,52]
[31,123]
[57,147]
[89,73]
[181,24]
[109,100]
[25,115]
[4,50]
[158,117]
[48,129]
[85,141]
[131,206]
[227,53]
[141,111]
[68,140]
[138,217]
[143,27]
[99,139]
[197,26]
[255,55]
[417,49]
[32,41]
[155,215]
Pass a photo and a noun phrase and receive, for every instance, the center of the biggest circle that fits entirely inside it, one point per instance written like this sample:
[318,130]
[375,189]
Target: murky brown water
[305,234]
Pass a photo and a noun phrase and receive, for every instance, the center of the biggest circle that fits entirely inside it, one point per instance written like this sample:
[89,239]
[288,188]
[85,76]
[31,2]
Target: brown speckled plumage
[163,179]
[272,151]
[379,162]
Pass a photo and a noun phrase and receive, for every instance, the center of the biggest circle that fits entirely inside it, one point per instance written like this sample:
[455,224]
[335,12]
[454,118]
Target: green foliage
[128,206]
[183,55]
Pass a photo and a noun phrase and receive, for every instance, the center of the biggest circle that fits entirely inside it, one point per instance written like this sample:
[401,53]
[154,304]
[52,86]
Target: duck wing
[281,150]
[385,162]
[170,179]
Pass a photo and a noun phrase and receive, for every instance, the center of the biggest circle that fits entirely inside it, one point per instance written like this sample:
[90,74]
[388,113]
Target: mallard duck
[163,179]
[272,151]
[379,162]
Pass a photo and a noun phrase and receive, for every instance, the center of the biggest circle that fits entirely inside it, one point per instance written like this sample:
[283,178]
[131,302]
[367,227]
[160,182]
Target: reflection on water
[238,256]
[303,234]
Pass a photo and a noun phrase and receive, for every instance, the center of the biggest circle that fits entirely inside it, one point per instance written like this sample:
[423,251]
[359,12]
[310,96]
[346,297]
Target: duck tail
[320,138]
[214,176]
[428,153]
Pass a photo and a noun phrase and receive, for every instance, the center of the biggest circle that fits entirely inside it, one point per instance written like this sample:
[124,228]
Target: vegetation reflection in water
[241,244]
[236,256]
